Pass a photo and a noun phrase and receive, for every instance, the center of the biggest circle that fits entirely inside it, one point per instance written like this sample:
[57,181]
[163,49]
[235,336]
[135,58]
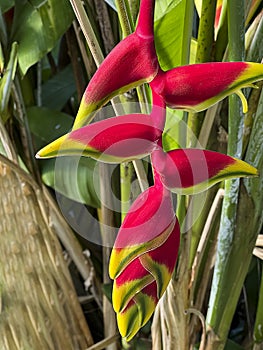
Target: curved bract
[197,87]
[143,258]
[112,140]
[190,171]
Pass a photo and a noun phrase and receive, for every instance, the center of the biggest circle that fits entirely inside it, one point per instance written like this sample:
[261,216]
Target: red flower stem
[158,112]
[146,18]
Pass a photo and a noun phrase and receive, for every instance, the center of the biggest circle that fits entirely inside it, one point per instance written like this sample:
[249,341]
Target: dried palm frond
[39,306]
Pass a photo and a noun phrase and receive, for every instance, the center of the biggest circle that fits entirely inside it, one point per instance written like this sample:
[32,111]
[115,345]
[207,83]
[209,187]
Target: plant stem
[87,30]
[206,31]
[217,318]
[204,49]
[125,18]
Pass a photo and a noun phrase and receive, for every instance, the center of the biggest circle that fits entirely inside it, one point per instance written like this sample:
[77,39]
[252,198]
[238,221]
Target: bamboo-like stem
[204,49]
[126,171]
[87,30]
[249,223]
[125,18]
[108,238]
[206,31]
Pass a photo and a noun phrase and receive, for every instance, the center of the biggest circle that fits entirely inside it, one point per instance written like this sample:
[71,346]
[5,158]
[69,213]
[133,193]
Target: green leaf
[162,7]
[107,290]
[5,5]
[173,128]
[74,177]
[7,80]
[37,26]
[172,45]
[230,345]
[46,125]
[57,90]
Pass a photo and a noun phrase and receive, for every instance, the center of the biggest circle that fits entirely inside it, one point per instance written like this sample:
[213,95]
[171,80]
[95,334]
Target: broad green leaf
[57,90]
[162,7]
[75,177]
[173,32]
[5,5]
[173,127]
[46,125]
[38,25]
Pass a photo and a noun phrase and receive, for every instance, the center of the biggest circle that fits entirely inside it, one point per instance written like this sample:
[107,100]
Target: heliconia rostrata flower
[145,252]
[142,264]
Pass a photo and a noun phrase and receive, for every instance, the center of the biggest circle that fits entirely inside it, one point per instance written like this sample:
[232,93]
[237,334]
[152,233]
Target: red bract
[132,62]
[189,171]
[143,258]
[199,86]
[112,140]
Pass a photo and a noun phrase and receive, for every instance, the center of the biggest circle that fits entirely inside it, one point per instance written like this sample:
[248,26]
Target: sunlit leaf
[171,45]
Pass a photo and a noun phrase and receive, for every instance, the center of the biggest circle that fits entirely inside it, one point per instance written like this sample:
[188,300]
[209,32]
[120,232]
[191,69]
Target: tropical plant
[215,264]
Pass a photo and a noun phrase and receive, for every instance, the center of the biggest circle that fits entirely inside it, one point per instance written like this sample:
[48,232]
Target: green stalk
[206,31]
[205,42]
[230,268]
[87,30]
[125,17]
